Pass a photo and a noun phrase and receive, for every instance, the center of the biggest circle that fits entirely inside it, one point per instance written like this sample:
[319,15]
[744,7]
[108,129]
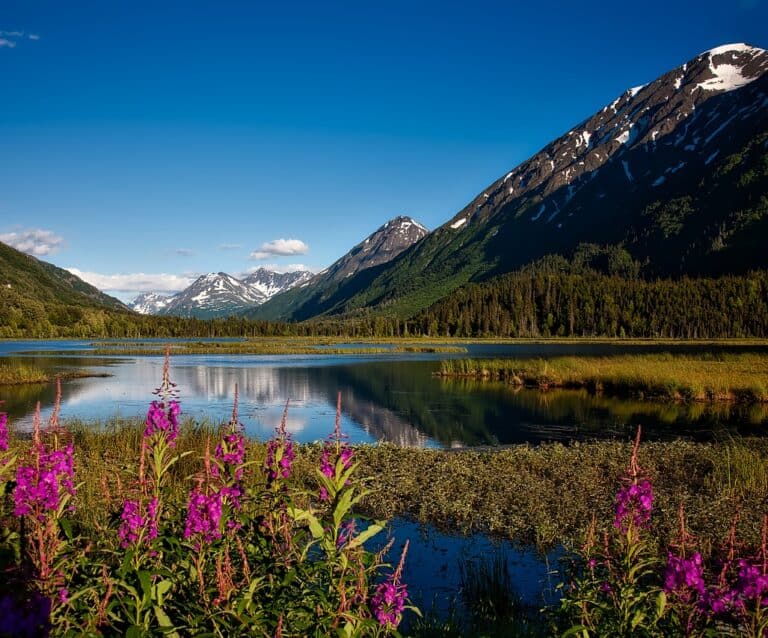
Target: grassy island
[665,376]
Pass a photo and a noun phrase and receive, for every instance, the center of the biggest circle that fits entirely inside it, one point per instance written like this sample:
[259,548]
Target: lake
[389,397]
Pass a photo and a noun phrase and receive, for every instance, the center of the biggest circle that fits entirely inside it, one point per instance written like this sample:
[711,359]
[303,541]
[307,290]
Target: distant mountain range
[220,294]
[674,172]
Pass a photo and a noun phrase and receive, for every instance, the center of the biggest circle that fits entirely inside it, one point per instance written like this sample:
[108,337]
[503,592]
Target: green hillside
[36,296]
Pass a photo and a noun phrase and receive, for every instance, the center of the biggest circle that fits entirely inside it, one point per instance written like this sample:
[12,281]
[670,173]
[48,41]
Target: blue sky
[170,139]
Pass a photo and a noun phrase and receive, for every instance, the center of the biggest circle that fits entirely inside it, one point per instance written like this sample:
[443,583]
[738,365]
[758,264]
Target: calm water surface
[385,397]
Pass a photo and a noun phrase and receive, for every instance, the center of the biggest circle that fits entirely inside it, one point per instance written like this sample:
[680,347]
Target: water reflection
[389,398]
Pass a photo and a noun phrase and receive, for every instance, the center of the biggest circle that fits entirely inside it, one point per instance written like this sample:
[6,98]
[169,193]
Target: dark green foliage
[555,298]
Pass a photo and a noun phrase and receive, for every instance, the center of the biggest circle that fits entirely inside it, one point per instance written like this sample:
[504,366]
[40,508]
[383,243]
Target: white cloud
[230,246]
[184,252]
[280,247]
[33,241]
[9,38]
[135,282]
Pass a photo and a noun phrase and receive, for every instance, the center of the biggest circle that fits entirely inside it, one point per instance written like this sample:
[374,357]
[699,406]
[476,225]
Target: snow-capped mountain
[379,248]
[212,295]
[149,303]
[219,294]
[268,283]
[672,171]
[650,134]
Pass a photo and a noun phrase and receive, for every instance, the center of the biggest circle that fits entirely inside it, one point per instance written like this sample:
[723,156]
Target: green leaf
[342,507]
[146,585]
[661,603]
[164,621]
[372,530]
[304,515]
[161,589]
[638,618]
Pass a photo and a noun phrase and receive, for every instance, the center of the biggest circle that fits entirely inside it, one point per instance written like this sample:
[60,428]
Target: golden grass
[691,377]
[18,375]
[267,346]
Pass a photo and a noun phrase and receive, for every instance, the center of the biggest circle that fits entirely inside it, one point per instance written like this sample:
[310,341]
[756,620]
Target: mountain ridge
[363,260]
[633,174]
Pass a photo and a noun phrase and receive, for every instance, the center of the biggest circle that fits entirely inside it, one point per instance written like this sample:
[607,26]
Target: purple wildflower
[633,505]
[684,575]
[719,600]
[346,531]
[230,453]
[135,525]
[3,432]
[388,603]
[280,457]
[752,583]
[158,421]
[335,449]
[40,486]
[63,596]
[204,516]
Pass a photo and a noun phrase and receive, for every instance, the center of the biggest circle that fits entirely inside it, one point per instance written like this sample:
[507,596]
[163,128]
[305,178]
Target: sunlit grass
[17,375]
[694,377]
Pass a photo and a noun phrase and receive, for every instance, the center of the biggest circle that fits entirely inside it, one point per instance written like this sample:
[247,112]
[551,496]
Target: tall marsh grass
[705,377]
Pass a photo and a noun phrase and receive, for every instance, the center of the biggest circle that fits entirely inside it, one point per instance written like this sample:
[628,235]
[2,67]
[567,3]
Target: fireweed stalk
[391,596]
[684,580]
[228,466]
[280,455]
[336,459]
[41,499]
[614,591]
[161,429]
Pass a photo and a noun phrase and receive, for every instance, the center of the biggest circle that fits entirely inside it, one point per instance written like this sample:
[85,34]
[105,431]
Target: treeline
[552,298]
[544,302]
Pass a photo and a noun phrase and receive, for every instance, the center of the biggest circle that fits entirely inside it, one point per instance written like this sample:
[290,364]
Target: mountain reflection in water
[384,398]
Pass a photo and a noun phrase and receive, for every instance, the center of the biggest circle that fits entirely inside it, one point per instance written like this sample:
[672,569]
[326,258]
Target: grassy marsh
[690,377]
[18,375]
[273,346]
[544,495]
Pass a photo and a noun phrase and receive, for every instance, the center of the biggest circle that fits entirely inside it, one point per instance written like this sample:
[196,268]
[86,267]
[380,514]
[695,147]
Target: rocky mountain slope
[364,259]
[219,294]
[150,303]
[674,171]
